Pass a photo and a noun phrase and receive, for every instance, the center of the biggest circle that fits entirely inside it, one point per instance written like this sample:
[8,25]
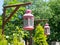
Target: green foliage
[15,21]
[39,37]
[3,40]
[16,41]
[9,2]
[54,21]
[41,10]
[20,43]
[0,22]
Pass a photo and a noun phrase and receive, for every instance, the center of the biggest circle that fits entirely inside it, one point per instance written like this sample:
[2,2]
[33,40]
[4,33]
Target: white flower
[7,36]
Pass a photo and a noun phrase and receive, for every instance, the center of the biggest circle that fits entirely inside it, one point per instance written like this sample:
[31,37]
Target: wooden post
[3,19]
[30,38]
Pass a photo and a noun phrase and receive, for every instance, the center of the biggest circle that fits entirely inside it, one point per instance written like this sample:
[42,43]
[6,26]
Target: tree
[55,20]
[39,10]
[39,37]
[14,22]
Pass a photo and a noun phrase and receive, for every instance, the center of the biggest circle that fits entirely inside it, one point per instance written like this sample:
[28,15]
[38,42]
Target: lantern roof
[28,13]
[46,24]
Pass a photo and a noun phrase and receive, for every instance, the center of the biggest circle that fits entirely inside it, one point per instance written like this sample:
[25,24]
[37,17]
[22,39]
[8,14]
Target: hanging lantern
[47,29]
[28,20]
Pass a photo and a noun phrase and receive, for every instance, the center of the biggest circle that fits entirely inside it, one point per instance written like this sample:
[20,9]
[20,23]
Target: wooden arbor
[5,20]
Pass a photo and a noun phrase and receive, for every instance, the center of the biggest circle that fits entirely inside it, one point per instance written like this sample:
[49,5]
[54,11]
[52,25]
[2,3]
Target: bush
[3,41]
[39,37]
[16,41]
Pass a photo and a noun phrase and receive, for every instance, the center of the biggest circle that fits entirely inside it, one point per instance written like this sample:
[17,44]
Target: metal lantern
[28,20]
[47,29]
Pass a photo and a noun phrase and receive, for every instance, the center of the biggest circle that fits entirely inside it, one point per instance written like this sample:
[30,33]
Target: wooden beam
[3,19]
[11,14]
[18,5]
[39,20]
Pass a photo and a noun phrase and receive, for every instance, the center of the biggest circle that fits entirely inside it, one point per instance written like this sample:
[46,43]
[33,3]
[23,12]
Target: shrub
[39,37]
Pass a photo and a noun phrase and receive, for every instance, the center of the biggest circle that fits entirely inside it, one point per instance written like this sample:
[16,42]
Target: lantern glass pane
[25,22]
[47,31]
[31,22]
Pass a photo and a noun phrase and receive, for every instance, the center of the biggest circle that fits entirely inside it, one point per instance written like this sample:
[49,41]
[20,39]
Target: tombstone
[1,6]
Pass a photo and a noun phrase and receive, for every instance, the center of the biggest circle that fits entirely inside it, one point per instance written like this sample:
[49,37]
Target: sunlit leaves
[39,37]
[54,21]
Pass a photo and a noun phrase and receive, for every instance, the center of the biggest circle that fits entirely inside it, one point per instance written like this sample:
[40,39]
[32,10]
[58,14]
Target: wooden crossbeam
[17,5]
